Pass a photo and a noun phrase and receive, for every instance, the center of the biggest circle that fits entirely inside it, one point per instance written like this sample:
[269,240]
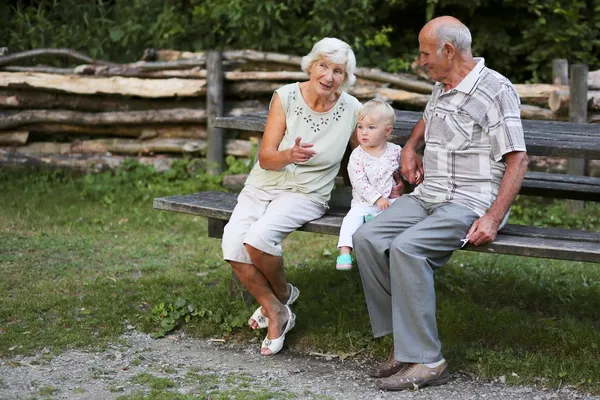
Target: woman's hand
[301,152]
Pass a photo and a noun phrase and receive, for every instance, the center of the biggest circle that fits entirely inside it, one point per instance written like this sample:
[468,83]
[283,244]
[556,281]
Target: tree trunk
[148,88]
[174,116]
[13,138]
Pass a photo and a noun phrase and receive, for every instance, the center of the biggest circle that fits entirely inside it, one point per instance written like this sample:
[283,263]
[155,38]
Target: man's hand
[483,230]
[398,188]
[412,166]
[383,203]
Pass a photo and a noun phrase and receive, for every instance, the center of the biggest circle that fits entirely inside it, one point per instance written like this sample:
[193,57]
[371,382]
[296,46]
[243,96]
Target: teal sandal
[343,262]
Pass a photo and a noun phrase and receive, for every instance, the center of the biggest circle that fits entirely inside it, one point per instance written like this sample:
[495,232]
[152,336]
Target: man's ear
[449,51]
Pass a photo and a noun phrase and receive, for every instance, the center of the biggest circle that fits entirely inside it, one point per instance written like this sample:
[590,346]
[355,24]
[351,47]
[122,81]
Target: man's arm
[484,229]
[412,166]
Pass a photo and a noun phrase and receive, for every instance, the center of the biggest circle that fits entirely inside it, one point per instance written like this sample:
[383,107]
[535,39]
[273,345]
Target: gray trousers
[397,253]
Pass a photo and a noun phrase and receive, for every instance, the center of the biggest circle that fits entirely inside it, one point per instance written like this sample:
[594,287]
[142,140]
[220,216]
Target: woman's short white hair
[458,35]
[334,50]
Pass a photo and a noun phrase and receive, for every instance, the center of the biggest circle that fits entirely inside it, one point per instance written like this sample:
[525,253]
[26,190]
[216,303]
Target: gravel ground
[196,366]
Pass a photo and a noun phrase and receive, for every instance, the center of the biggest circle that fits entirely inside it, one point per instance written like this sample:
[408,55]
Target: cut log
[26,99]
[13,138]
[387,94]
[265,76]
[559,101]
[534,112]
[252,88]
[260,56]
[193,72]
[13,58]
[89,163]
[31,99]
[171,55]
[149,88]
[47,70]
[131,146]
[594,80]
[140,131]
[403,81]
[537,94]
[174,116]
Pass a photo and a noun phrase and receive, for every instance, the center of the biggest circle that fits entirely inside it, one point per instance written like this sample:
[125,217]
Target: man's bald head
[448,30]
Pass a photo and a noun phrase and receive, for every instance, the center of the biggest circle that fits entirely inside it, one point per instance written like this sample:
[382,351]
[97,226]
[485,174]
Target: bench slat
[513,239]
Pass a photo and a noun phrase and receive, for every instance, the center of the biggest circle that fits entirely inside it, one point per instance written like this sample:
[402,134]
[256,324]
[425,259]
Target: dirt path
[208,369]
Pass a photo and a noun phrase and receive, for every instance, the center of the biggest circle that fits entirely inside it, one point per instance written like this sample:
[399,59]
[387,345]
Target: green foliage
[220,312]
[554,213]
[518,38]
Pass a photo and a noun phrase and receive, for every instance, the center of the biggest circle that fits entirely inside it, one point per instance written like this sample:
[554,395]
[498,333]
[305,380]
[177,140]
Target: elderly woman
[307,130]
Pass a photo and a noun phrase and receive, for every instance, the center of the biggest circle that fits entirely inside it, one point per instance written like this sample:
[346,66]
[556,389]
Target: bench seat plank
[513,239]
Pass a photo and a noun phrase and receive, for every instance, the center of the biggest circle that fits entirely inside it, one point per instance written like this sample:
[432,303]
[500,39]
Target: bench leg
[215,228]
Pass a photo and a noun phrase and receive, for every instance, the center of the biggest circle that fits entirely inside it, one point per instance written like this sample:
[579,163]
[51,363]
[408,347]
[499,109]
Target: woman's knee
[253,252]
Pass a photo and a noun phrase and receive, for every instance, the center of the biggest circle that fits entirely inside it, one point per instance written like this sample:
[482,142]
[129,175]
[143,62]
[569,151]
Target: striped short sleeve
[504,123]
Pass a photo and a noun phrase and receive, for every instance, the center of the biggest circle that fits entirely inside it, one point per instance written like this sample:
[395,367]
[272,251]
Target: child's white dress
[371,178]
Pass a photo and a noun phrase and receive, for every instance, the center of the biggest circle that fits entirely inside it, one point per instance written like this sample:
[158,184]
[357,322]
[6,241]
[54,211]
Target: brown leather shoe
[386,368]
[415,376]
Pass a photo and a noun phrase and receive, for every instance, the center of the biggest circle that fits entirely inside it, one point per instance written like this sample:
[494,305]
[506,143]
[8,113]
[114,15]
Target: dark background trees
[517,37]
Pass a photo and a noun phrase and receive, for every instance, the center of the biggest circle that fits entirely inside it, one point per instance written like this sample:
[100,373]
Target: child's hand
[383,203]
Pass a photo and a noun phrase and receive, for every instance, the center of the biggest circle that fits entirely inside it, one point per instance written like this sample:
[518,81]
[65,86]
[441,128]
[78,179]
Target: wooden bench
[558,139]
[543,138]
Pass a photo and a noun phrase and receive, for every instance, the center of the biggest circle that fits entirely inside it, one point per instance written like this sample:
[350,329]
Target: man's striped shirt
[468,129]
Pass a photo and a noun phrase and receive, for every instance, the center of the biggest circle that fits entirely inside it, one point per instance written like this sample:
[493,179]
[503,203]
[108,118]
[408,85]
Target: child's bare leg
[345,250]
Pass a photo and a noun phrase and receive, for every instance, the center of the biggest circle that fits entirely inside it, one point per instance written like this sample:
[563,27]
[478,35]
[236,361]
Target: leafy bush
[518,38]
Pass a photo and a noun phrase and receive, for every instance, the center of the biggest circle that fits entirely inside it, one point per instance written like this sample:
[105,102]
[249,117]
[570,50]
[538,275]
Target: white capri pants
[354,219]
[263,218]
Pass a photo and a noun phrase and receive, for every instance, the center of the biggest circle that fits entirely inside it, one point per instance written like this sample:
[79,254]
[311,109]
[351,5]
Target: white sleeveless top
[329,132]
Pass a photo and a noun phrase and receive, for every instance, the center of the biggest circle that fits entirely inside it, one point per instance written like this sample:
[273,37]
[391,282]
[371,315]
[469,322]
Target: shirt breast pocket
[459,130]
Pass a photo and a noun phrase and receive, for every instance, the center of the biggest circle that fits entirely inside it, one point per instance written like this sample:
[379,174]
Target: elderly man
[473,165]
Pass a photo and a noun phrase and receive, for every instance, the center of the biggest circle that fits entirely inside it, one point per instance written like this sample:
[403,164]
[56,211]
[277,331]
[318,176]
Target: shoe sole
[440,380]
[343,267]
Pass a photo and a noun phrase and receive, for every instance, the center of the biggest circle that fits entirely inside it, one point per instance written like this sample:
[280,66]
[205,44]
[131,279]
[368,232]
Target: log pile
[99,111]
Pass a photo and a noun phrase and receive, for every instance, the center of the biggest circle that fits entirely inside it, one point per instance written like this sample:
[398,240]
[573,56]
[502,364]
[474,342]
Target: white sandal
[261,320]
[275,345]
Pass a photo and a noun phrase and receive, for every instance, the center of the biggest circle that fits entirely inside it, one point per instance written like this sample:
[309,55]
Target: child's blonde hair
[383,110]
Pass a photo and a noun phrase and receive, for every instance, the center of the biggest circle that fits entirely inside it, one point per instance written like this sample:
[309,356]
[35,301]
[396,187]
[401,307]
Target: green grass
[83,258]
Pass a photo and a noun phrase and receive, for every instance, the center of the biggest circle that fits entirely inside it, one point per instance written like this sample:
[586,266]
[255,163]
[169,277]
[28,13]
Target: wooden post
[214,109]
[560,71]
[578,107]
